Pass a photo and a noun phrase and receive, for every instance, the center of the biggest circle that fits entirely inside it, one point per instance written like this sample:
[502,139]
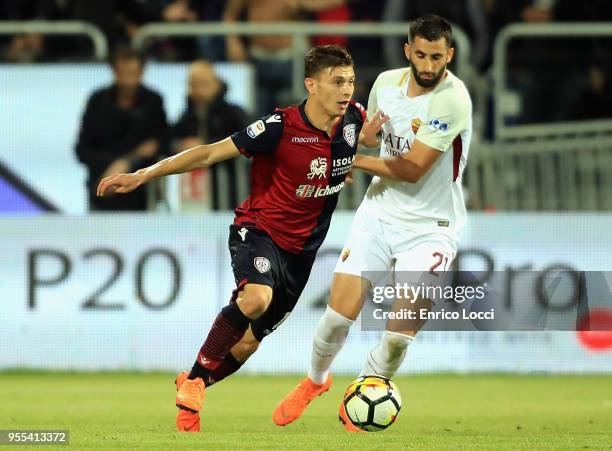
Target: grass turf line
[136,410]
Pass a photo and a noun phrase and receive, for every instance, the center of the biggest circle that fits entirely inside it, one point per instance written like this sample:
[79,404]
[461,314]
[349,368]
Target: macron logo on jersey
[437,124]
[305,139]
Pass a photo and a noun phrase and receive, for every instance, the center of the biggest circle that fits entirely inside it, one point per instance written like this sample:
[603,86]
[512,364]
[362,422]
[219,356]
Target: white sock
[387,357]
[328,340]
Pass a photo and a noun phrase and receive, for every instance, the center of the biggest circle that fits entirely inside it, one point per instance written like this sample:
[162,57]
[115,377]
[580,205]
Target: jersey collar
[301,108]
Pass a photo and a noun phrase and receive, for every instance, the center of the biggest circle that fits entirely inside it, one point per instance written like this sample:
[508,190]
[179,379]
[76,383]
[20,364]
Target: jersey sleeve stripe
[457,152]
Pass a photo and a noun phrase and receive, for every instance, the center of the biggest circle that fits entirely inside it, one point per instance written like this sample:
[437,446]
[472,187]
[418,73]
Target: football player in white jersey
[411,216]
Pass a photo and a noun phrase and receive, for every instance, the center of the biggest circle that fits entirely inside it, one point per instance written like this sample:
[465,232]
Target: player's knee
[333,326]
[347,295]
[254,300]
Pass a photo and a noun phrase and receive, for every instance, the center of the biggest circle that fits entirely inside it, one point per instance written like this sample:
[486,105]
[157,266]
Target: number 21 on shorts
[441,263]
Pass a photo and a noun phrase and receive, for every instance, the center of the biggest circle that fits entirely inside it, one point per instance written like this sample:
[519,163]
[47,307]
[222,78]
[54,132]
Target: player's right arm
[261,137]
[188,160]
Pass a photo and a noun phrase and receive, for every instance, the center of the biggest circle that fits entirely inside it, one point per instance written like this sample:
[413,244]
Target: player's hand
[368,136]
[119,183]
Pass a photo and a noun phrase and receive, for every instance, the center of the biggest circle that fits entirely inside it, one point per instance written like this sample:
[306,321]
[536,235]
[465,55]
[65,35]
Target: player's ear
[407,50]
[450,54]
[310,83]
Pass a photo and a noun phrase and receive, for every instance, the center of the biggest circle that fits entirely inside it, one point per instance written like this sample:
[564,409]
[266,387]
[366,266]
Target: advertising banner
[141,291]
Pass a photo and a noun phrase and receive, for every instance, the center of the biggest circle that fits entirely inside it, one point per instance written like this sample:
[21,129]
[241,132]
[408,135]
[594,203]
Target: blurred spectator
[25,48]
[121,20]
[123,128]
[172,11]
[538,68]
[595,101]
[366,50]
[212,48]
[179,11]
[209,118]
[329,11]
[118,20]
[270,55]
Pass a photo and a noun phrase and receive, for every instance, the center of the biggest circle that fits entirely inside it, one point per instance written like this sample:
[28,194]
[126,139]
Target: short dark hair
[126,53]
[324,56]
[432,28]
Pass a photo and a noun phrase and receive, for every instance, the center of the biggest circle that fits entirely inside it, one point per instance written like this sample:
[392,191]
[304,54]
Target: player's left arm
[409,167]
[448,115]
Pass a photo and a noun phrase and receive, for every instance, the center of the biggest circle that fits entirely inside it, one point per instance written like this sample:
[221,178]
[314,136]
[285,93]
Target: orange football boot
[346,421]
[189,399]
[295,402]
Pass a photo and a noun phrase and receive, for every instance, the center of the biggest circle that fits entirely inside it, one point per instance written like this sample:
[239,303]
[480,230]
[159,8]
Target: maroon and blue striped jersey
[297,173]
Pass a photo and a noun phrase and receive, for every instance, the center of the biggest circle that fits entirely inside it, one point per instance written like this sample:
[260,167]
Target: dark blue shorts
[257,259]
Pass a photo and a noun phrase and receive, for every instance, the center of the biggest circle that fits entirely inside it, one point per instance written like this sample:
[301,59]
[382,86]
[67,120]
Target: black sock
[228,366]
[227,330]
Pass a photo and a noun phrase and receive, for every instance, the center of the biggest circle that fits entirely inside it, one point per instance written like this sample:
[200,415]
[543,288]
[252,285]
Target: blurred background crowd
[561,79]
[480,19]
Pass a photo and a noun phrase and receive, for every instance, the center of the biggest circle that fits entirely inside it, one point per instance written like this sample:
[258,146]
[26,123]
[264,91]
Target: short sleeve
[448,115]
[261,137]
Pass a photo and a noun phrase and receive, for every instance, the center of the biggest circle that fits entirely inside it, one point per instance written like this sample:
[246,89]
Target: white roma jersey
[442,119]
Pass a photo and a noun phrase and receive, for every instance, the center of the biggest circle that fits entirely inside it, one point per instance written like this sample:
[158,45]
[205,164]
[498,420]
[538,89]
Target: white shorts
[376,246]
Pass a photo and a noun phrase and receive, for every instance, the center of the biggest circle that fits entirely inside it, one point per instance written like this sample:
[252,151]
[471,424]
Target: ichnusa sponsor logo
[304,191]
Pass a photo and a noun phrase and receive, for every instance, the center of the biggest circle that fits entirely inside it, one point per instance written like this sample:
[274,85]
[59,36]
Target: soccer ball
[372,403]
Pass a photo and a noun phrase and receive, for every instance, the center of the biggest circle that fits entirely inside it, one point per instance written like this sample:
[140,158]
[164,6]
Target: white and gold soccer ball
[372,403]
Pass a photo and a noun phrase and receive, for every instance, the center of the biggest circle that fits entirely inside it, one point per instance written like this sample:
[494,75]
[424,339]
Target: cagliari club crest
[349,134]
[262,264]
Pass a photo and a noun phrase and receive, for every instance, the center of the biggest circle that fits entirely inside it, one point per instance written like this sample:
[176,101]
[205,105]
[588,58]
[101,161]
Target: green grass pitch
[136,410]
